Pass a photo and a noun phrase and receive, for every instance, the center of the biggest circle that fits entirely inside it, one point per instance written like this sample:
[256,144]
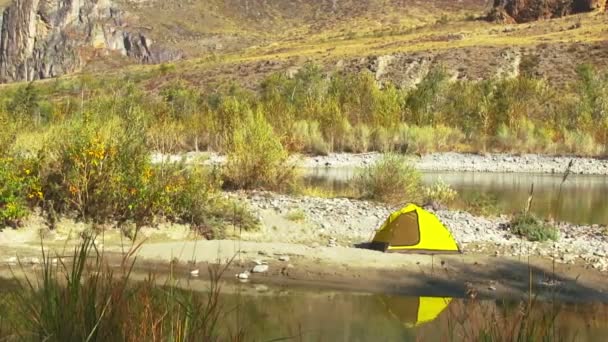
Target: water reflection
[307,315]
[583,199]
[415,311]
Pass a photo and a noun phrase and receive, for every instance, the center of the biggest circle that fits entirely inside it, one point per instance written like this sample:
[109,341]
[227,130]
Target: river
[580,199]
[313,315]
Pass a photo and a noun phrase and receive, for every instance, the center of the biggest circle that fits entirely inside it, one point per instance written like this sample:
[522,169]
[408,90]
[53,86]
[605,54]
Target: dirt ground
[357,269]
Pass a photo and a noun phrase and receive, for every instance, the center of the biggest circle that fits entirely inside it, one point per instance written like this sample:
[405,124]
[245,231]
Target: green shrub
[256,158]
[425,139]
[360,139]
[308,138]
[580,143]
[440,192]
[19,190]
[103,173]
[381,140]
[296,215]
[95,168]
[391,179]
[482,204]
[533,229]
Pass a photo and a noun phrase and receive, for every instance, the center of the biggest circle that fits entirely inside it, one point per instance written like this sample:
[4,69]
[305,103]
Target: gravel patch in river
[350,222]
[507,163]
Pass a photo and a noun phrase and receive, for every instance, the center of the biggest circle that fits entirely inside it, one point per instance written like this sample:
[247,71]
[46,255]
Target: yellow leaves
[35,195]
[73,190]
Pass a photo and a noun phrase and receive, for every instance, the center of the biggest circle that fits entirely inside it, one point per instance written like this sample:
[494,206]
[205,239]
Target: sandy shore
[319,247]
[506,163]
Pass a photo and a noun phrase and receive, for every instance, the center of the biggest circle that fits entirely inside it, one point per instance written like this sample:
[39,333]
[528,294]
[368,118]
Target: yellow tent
[414,311]
[414,230]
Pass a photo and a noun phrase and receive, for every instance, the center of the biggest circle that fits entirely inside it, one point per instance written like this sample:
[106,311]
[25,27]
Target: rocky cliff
[521,11]
[48,38]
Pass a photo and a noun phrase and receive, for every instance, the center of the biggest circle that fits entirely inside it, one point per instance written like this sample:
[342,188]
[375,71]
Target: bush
[528,226]
[296,215]
[482,204]
[96,169]
[579,143]
[360,139]
[308,138]
[19,190]
[256,158]
[381,140]
[440,192]
[392,180]
[103,173]
[425,139]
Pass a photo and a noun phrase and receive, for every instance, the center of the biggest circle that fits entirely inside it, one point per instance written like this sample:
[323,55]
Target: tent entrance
[406,230]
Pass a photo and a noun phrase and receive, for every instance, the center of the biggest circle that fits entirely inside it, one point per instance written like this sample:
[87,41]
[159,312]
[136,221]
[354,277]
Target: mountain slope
[242,40]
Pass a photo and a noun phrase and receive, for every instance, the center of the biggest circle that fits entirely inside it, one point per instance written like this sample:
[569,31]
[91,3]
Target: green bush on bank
[313,112]
[19,190]
[392,180]
[533,229]
[256,157]
[98,168]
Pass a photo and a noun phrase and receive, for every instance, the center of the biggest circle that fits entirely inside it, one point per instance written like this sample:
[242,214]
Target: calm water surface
[583,200]
[343,316]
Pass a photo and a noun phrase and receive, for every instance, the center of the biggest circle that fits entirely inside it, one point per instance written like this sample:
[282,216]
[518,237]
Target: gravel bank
[527,163]
[318,221]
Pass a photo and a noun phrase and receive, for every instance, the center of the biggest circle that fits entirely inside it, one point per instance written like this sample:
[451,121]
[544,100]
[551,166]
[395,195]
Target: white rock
[284,258]
[260,269]
[34,261]
[195,272]
[243,275]
[12,261]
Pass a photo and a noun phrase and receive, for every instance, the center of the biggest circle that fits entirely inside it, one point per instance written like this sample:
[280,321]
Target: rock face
[48,38]
[521,11]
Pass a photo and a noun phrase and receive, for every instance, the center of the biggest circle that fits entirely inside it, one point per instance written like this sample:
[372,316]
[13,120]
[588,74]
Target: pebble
[34,261]
[284,258]
[356,221]
[260,269]
[195,272]
[243,275]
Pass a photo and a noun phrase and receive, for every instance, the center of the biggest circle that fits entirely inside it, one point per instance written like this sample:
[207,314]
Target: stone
[195,272]
[243,275]
[12,261]
[284,258]
[260,269]
[43,39]
[34,261]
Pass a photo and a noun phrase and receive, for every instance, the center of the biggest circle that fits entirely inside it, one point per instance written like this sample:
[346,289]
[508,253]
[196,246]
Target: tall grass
[84,299]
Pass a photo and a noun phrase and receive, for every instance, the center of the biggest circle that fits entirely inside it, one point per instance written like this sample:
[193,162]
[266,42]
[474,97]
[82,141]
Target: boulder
[522,11]
[47,38]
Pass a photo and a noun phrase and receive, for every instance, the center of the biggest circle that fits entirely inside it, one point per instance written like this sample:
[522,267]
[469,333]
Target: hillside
[220,40]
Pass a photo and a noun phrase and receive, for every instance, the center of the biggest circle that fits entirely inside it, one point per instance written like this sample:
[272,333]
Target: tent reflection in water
[415,311]
[414,230]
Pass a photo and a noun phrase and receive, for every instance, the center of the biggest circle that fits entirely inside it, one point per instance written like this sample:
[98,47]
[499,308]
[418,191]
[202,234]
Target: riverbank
[317,242]
[449,161]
